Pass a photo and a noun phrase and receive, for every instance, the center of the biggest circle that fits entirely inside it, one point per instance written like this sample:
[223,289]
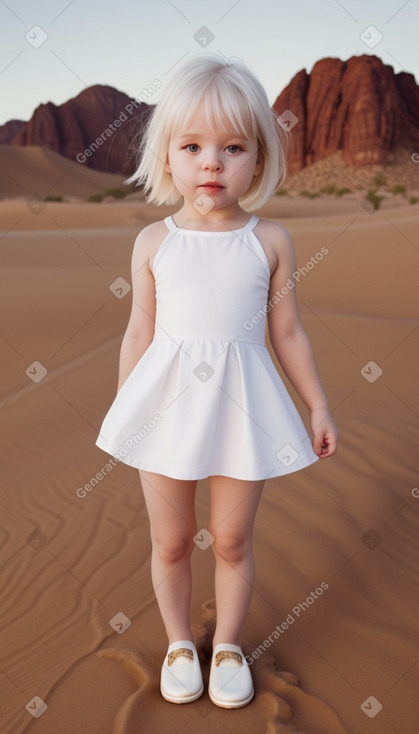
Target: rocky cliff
[95,128]
[9,130]
[360,107]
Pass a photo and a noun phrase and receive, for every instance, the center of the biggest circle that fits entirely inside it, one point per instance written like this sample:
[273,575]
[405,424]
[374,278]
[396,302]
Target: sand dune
[336,545]
[39,171]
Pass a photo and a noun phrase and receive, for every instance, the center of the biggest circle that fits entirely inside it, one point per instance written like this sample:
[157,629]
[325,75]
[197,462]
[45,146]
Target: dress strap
[170,224]
[252,222]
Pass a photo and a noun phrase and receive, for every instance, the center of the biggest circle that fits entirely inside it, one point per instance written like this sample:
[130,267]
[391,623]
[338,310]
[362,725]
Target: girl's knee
[172,548]
[231,548]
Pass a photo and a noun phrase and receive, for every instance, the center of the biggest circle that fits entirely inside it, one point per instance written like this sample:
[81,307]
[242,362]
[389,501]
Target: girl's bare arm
[140,330]
[293,348]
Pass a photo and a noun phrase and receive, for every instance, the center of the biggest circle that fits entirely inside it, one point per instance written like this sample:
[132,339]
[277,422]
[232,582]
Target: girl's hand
[325,433]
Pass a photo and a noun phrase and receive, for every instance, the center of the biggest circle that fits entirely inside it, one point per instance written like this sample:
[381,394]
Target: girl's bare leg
[233,509]
[171,508]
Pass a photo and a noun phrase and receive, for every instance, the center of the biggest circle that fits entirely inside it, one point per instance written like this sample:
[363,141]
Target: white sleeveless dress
[205,398]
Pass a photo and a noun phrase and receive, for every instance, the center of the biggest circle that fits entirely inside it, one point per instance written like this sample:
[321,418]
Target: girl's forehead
[204,120]
[204,129]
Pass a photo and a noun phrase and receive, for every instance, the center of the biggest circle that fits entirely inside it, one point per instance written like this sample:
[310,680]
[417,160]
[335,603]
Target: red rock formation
[95,128]
[9,130]
[357,106]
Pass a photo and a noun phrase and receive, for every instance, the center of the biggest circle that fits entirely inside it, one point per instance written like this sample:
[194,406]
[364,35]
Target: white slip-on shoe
[230,682]
[181,677]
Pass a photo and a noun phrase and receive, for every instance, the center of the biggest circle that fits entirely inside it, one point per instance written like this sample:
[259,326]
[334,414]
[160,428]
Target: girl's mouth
[211,187]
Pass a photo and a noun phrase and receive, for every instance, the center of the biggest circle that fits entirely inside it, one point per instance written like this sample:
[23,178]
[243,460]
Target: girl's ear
[166,165]
[259,165]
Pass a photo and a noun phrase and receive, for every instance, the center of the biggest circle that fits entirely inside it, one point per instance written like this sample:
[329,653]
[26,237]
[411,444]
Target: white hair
[232,96]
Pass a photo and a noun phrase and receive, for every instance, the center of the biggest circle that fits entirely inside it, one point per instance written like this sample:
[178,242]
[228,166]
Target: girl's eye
[193,148]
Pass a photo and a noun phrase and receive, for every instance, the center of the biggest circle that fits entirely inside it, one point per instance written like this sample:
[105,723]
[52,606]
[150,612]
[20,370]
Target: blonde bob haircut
[232,97]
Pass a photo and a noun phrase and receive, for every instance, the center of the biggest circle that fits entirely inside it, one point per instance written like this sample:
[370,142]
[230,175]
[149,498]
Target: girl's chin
[205,203]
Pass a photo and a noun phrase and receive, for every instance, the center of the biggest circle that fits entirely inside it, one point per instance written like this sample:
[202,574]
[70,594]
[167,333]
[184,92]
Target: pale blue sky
[129,43]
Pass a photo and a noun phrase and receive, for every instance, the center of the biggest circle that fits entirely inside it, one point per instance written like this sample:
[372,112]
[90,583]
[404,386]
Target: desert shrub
[331,189]
[374,199]
[116,193]
[399,189]
[341,192]
[379,180]
[309,194]
[96,197]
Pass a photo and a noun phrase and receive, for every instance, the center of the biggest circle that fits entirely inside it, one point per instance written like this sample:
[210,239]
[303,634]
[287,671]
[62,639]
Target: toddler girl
[198,393]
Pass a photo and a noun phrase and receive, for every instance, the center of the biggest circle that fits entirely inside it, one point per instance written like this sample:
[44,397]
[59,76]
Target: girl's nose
[212,162]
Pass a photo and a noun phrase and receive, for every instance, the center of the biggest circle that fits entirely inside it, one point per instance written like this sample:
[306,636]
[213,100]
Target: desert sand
[336,545]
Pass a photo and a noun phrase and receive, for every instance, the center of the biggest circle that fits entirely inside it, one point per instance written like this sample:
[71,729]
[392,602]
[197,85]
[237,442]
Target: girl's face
[220,164]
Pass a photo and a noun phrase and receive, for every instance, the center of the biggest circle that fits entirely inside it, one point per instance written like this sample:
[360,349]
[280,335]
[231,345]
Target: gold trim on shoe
[228,654]
[184,651]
